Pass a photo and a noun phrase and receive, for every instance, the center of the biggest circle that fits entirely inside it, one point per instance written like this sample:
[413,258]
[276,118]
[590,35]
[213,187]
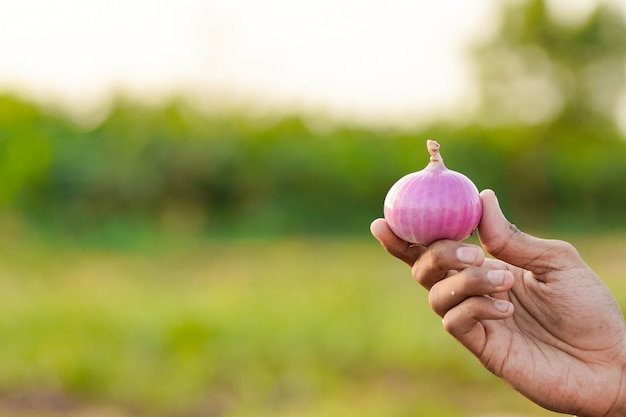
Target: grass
[293,328]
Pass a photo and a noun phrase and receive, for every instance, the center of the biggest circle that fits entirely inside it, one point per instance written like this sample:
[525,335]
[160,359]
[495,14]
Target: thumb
[505,241]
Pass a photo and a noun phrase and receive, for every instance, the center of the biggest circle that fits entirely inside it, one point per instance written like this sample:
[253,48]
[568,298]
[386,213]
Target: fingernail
[496,277]
[502,305]
[376,227]
[467,254]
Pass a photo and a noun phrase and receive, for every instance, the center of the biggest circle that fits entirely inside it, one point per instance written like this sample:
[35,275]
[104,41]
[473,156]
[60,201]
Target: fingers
[505,241]
[442,257]
[466,297]
[471,282]
[429,264]
[467,322]
[393,244]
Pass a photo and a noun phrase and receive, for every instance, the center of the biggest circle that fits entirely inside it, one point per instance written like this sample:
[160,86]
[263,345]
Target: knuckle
[427,272]
[441,254]
[564,255]
[437,303]
[565,248]
[435,263]
[449,324]
[455,323]
[499,244]
[473,281]
[433,300]
[458,320]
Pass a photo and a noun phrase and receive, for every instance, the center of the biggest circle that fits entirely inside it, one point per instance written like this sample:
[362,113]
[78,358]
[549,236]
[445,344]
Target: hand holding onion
[433,204]
[534,314]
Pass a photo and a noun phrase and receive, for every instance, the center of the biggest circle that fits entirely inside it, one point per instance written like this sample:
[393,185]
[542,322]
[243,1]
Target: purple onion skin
[433,204]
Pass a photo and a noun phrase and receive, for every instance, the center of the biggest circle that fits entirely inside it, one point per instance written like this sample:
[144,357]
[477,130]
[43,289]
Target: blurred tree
[25,148]
[536,70]
[552,92]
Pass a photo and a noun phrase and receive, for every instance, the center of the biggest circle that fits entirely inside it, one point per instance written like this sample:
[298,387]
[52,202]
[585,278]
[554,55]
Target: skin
[533,313]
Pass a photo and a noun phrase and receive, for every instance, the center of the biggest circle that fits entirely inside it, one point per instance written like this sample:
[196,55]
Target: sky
[391,60]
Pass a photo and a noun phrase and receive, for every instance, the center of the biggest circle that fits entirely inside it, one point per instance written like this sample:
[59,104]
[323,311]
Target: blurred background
[186,190]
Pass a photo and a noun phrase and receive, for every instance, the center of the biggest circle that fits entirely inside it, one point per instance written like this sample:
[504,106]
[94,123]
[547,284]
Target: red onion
[433,204]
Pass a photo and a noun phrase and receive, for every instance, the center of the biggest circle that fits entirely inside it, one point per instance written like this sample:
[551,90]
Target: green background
[182,261]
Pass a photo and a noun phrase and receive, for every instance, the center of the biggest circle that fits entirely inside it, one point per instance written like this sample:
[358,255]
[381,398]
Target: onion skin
[433,204]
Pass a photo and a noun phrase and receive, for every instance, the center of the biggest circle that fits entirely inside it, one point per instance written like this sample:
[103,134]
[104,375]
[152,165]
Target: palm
[555,342]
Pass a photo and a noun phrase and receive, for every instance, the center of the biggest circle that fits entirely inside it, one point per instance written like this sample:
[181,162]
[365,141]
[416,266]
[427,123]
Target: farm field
[291,327]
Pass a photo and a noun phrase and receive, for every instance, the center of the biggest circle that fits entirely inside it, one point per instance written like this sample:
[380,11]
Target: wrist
[618,408]
[616,401]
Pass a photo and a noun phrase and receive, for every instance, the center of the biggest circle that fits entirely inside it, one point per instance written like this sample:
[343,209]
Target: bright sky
[391,59]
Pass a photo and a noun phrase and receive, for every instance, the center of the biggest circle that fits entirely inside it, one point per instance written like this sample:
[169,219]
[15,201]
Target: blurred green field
[292,327]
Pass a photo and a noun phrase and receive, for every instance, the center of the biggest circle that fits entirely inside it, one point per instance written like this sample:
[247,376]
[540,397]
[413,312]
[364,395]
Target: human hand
[535,315]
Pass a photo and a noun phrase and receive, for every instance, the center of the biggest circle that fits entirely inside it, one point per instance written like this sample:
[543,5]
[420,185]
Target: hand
[536,316]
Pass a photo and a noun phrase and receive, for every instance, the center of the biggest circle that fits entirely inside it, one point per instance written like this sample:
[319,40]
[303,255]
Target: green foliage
[181,170]
[535,70]
[24,138]
[545,139]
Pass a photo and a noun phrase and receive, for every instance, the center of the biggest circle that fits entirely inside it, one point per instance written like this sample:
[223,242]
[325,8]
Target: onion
[433,204]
